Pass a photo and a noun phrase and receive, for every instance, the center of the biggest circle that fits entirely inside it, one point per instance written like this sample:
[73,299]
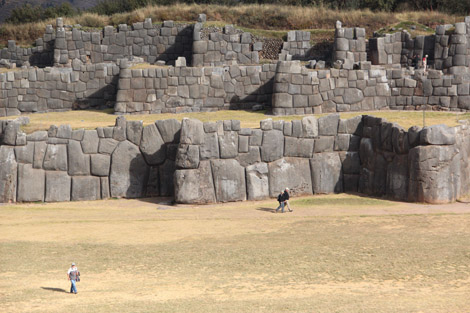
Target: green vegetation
[29,13]
[415,29]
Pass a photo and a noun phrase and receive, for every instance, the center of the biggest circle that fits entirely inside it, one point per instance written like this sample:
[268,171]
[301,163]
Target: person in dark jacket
[280,199]
[286,199]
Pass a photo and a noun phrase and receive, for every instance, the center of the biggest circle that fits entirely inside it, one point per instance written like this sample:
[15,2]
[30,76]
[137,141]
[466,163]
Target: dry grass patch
[236,257]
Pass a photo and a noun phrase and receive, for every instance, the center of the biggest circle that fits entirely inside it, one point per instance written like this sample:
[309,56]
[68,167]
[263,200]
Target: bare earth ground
[336,253]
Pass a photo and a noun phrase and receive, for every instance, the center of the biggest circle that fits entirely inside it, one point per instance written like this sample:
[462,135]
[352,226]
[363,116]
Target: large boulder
[40,148]
[90,141]
[229,180]
[210,148]
[195,185]
[58,186]
[192,132]
[397,178]
[187,156]
[134,131]
[293,173]
[327,173]
[24,154]
[328,125]
[309,127]
[55,158]
[298,147]
[129,172]
[257,183]
[437,135]
[78,162]
[152,145]
[31,183]
[86,188]
[169,130]
[273,145]
[228,144]
[434,174]
[100,164]
[8,174]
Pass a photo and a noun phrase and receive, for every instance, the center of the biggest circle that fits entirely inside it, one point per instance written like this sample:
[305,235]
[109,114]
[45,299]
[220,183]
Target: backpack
[279,198]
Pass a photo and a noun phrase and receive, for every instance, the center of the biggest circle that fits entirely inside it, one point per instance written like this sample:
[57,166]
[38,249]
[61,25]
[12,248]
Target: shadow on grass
[54,289]
[270,210]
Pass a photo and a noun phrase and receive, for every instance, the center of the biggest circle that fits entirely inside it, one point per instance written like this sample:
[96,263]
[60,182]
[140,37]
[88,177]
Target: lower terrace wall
[220,161]
[192,89]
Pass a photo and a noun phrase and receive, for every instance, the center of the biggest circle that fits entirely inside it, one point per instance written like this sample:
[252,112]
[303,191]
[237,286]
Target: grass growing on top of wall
[90,119]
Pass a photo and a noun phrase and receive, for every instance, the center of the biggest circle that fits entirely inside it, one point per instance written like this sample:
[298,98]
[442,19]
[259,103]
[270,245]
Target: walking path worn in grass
[336,253]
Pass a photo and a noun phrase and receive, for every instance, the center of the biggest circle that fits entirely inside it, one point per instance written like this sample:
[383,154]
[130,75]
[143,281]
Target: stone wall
[166,42]
[61,164]
[350,46]
[298,90]
[230,47]
[192,89]
[452,49]
[58,89]
[222,162]
[297,46]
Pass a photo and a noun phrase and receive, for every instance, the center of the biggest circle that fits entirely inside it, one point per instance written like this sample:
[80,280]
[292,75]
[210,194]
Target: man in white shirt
[73,275]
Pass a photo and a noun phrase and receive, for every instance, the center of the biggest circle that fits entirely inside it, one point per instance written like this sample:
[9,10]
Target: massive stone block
[187,156]
[397,178]
[192,132]
[90,141]
[58,186]
[228,144]
[78,162]
[328,125]
[434,174]
[438,135]
[169,130]
[86,188]
[100,164]
[272,147]
[129,172]
[293,173]
[152,145]
[134,131]
[24,154]
[229,180]
[210,148]
[298,147]
[55,158]
[327,173]
[195,185]
[167,172]
[31,183]
[257,184]
[8,174]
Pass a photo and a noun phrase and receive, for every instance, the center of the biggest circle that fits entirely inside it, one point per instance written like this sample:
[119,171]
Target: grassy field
[91,119]
[337,253]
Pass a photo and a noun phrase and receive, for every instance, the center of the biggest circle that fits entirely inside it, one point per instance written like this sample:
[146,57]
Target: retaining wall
[297,46]
[192,89]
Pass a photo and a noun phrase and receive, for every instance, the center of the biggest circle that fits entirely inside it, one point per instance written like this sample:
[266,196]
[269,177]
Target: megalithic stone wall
[350,46]
[452,50]
[297,46]
[191,89]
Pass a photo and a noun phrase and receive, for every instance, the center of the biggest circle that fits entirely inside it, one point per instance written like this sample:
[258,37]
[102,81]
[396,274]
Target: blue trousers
[281,206]
[73,287]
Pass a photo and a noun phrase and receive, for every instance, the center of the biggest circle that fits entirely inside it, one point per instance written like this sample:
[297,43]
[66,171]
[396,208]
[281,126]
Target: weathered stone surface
[39,153]
[100,164]
[397,178]
[104,181]
[437,135]
[78,162]
[107,145]
[324,144]
[55,158]
[152,145]
[257,184]
[169,130]
[273,145]
[64,131]
[298,147]
[210,148]
[328,125]
[31,183]
[366,153]
[10,132]
[192,132]
[434,174]
[167,171]
[195,185]
[8,174]
[58,186]
[90,141]
[153,184]
[24,154]
[309,127]
[86,188]
[327,173]
[352,95]
[134,131]
[251,157]
[187,156]
[400,140]
[228,144]
[351,162]
[229,180]
[293,173]
[129,172]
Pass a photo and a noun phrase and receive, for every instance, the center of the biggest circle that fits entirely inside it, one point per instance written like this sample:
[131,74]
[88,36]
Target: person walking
[425,63]
[280,199]
[73,275]
[286,199]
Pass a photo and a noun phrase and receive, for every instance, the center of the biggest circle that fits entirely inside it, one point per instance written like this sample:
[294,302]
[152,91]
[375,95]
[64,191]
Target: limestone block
[152,145]
[210,148]
[293,173]
[90,141]
[64,131]
[55,158]
[324,144]
[58,186]
[328,125]
[326,173]
[107,145]
[437,135]
[24,154]
[228,145]
[31,183]
[195,185]
[229,180]
[434,174]
[257,184]
[298,147]
[39,153]
[10,132]
[86,188]
[169,130]
[352,95]
[341,44]
[272,147]
[309,127]
[192,132]
[78,162]
[8,174]
[134,131]
[100,164]
[187,156]
[351,126]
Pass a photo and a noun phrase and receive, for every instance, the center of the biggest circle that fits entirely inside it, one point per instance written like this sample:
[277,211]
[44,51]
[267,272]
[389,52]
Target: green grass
[341,200]
[420,29]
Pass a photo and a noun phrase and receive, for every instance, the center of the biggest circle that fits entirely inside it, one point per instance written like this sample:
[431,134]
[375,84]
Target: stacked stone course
[350,46]
[297,46]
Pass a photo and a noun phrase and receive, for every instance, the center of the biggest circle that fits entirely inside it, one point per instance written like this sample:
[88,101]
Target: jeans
[281,205]
[73,287]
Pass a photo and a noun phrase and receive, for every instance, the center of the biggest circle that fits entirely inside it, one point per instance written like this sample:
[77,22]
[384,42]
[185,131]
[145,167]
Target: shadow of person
[54,289]
[271,210]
